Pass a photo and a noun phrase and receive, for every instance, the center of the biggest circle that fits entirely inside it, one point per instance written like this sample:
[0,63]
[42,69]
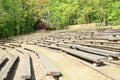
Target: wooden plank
[5,70]
[7,45]
[97,59]
[111,48]
[26,67]
[29,49]
[2,47]
[11,52]
[97,51]
[15,45]
[51,69]
[85,55]
[2,58]
[21,50]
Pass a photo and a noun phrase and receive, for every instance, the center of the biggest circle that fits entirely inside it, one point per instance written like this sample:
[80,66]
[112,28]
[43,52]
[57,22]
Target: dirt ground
[71,69]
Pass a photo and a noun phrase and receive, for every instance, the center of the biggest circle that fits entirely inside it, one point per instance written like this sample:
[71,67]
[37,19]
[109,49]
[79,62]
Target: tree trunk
[105,20]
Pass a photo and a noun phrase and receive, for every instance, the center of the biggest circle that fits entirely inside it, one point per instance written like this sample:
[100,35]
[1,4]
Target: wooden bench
[51,69]
[2,58]
[114,39]
[105,47]
[21,50]
[29,49]
[51,41]
[2,47]
[97,42]
[30,42]
[96,59]
[96,51]
[39,44]
[15,45]
[63,45]
[11,52]
[5,70]
[107,33]
[52,47]
[26,67]
[7,45]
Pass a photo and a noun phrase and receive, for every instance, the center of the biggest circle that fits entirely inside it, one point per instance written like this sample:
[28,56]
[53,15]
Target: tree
[19,16]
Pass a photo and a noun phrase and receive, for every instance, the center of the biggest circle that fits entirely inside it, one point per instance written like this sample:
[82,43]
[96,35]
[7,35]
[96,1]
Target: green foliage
[114,23]
[69,12]
[18,16]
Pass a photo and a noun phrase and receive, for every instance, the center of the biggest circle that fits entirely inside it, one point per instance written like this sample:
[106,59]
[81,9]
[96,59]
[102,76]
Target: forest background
[18,17]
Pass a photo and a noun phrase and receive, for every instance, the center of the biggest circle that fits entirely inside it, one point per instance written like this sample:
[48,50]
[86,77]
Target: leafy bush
[114,23]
